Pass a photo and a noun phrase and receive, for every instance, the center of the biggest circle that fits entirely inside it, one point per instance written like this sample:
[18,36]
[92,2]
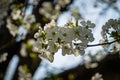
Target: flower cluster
[18,19]
[14,21]
[111,29]
[72,39]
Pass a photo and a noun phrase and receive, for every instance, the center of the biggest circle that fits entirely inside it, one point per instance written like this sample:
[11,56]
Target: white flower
[43,49]
[22,75]
[39,33]
[47,55]
[16,14]
[68,34]
[53,47]
[40,44]
[27,21]
[50,25]
[88,64]
[97,76]
[48,11]
[62,3]
[23,51]
[51,33]
[66,49]
[87,24]
[79,48]
[3,57]
[84,34]
[12,28]
[89,35]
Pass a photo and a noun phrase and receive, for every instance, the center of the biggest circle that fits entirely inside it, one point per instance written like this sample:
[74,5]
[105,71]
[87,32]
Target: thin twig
[92,45]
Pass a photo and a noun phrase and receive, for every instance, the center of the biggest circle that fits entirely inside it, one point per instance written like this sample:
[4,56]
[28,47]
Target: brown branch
[100,44]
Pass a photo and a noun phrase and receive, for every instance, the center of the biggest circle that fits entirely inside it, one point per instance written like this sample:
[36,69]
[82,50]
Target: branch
[101,44]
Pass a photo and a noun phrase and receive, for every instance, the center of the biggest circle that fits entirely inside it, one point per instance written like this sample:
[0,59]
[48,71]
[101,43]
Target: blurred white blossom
[16,14]
[23,51]
[27,21]
[4,5]
[49,11]
[3,57]
[23,75]
[92,60]
[63,3]
[13,29]
[17,20]
[88,64]
[97,76]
